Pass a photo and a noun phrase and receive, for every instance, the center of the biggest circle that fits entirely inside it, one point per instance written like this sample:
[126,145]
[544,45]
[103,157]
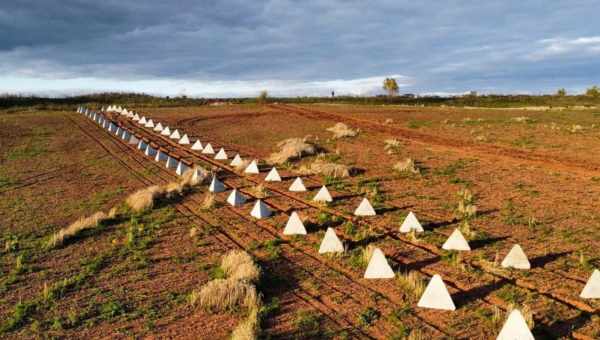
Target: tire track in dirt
[466,148]
[454,284]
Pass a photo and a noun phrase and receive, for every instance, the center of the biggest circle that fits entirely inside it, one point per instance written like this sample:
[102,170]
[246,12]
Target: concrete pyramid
[411,223]
[181,168]
[331,243]
[149,124]
[260,210]
[436,295]
[150,152]
[216,185]
[273,176]
[365,209]
[171,163]
[133,140]
[175,135]
[142,121]
[166,131]
[197,145]
[235,198]
[237,160]
[323,195]
[294,225]
[161,156]
[118,132]
[158,127]
[208,149]
[378,267]
[198,176]
[592,287]
[456,241]
[126,135]
[515,328]
[136,117]
[516,258]
[185,140]
[297,185]
[221,155]
[252,168]
[142,146]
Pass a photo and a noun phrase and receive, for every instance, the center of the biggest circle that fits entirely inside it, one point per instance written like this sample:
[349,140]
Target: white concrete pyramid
[235,198]
[161,156]
[142,146]
[436,295]
[294,225]
[166,131]
[592,287]
[197,145]
[208,149]
[185,140]
[181,168]
[252,168]
[136,117]
[171,163]
[323,195]
[378,267]
[150,124]
[133,140]
[237,160]
[411,223]
[150,151]
[126,135]
[456,241]
[221,155]
[516,258]
[365,209]
[260,210]
[216,185]
[158,127]
[142,121]
[273,176]
[118,132]
[175,135]
[331,243]
[297,185]
[515,328]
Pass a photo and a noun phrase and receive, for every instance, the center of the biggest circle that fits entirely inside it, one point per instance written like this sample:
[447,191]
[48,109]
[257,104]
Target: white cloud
[561,46]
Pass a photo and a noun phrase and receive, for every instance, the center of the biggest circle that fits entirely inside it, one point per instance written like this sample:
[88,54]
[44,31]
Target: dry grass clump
[208,202]
[243,164]
[76,227]
[341,130]
[412,283]
[323,167]
[247,329]
[392,146]
[189,179]
[292,149]
[367,253]
[226,295]
[259,191]
[238,265]
[143,199]
[407,166]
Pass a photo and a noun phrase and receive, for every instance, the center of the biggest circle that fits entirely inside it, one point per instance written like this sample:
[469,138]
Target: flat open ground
[535,176]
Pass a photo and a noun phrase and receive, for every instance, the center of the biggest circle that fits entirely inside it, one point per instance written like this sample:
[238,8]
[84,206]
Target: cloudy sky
[223,48]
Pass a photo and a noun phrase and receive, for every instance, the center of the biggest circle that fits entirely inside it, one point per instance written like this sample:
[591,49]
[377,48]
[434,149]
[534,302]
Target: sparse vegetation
[341,130]
[76,227]
[292,149]
[407,166]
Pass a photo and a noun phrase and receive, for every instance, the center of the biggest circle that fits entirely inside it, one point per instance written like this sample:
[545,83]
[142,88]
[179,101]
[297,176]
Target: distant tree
[390,85]
[561,92]
[263,96]
[593,91]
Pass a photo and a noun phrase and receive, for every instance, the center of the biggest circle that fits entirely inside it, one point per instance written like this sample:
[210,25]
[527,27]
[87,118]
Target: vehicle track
[446,144]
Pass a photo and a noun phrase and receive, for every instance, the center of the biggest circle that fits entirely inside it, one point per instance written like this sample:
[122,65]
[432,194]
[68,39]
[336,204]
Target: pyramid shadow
[487,212]
[436,225]
[476,244]
[384,210]
[421,264]
[541,261]
[345,196]
[564,328]
[314,226]
[477,293]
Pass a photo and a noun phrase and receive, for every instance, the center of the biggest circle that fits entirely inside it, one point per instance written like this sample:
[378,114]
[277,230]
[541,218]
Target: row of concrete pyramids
[436,295]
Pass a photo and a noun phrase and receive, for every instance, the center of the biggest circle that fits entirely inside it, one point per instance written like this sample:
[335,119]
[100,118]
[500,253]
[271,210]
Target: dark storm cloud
[439,45]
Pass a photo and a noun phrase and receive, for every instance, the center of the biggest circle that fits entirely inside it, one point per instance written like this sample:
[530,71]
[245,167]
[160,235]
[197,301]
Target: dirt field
[534,175]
